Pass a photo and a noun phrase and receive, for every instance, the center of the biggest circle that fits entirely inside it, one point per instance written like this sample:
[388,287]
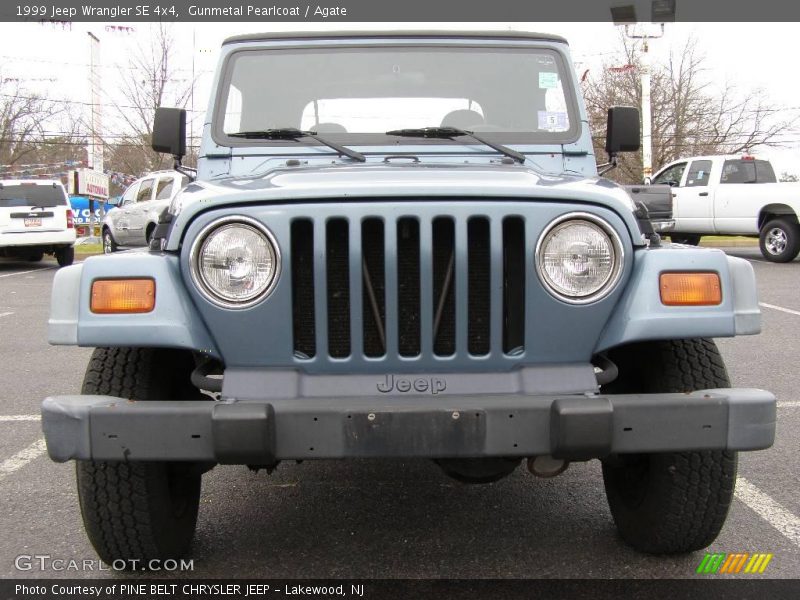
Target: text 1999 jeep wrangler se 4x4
[397,245]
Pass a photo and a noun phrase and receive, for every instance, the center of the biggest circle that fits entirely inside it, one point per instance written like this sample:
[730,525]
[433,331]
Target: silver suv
[132,222]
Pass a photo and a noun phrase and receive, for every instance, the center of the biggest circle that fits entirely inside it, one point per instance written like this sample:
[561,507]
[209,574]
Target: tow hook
[546,466]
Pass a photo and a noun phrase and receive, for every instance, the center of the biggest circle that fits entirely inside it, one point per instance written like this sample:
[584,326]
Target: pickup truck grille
[409,286]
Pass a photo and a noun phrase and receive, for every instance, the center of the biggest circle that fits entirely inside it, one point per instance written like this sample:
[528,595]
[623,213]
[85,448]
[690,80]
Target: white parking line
[22,458]
[25,272]
[789,404]
[5,314]
[769,510]
[780,308]
[6,418]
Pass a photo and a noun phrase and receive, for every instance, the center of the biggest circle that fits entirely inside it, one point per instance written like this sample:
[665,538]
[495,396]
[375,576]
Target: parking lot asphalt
[391,519]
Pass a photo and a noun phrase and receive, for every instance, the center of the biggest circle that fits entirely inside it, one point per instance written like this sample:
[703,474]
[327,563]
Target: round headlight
[579,258]
[235,262]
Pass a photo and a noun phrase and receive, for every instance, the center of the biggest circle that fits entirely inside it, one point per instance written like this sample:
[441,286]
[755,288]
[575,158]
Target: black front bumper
[254,432]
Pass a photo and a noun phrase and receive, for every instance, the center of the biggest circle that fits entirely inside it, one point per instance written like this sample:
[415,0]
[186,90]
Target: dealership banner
[450,11]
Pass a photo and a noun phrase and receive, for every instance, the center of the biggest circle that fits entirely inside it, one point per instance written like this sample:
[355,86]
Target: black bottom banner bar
[117,588]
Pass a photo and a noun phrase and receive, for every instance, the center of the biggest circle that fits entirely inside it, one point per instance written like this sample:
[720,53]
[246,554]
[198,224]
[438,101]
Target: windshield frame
[381,140]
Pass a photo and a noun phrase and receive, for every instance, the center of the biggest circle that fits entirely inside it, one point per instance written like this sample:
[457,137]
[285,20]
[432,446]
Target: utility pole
[95,147]
[647,118]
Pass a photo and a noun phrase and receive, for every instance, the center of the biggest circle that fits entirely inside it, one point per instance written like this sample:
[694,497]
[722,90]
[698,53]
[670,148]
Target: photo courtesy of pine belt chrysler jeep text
[403,250]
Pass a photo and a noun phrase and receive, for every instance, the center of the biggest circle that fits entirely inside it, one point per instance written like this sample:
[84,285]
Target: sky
[53,59]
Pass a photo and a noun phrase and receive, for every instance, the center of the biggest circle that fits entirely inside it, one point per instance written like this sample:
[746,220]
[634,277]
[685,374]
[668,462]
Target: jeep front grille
[408,287]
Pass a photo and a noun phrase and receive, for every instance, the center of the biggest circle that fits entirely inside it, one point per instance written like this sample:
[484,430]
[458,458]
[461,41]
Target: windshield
[355,95]
[45,196]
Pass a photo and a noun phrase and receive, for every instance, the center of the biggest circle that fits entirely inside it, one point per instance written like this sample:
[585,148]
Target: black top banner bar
[344,11]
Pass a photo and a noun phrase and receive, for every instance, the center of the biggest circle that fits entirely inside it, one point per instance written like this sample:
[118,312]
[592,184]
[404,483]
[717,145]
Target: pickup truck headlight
[579,258]
[235,262]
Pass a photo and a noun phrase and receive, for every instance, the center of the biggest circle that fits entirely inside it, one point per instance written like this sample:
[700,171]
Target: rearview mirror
[622,131]
[169,131]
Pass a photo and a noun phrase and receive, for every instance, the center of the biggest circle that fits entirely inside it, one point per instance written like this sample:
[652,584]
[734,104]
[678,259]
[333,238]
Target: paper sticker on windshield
[548,81]
[552,120]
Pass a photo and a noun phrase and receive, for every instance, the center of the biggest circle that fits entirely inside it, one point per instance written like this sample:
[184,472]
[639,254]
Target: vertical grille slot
[478,282]
[513,285]
[408,287]
[444,299]
[374,288]
[303,289]
[338,279]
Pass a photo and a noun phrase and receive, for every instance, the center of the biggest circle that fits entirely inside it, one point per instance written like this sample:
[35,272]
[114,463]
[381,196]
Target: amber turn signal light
[690,289]
[123,296]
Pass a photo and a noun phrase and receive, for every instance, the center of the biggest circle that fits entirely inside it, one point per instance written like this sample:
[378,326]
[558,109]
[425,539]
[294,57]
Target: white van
[36,219]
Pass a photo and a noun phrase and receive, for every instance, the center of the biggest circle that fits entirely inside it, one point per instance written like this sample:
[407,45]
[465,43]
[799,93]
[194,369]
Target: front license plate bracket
[409,433]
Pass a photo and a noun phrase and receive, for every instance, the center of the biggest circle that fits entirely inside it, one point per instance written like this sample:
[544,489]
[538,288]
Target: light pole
[95,150]
[644,74]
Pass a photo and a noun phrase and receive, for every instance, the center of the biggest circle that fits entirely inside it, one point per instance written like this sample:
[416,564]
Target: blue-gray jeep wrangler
[398,245]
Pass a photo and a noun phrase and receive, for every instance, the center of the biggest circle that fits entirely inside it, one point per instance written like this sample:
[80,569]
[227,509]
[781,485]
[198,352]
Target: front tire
[137,510]
[779,240]
[670,502]
[109,245]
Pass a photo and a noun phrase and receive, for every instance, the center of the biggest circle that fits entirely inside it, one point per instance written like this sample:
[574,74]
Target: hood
[406,180]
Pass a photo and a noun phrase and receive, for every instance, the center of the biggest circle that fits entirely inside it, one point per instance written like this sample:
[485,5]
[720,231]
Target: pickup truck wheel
[109,245]
[65,256]
[779,240]
[689,239]
[137,510]
[670,502]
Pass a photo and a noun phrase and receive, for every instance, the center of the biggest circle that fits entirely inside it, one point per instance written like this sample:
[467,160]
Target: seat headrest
[329,128]
[462,119]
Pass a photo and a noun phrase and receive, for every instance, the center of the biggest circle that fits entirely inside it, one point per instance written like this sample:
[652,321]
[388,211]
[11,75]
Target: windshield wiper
[291,133]
[454,132]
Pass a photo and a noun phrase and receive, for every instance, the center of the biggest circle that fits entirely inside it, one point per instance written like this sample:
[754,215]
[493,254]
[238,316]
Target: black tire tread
[689,493]
[120,501]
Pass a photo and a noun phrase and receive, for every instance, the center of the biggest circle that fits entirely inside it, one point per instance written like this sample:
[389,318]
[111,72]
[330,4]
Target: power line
[115,67]
[82,103]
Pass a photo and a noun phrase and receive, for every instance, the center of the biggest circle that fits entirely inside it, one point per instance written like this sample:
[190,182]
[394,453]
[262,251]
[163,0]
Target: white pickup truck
[733,195]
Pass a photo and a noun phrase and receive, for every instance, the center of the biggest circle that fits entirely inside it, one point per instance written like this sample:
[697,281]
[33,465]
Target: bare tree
[691,116]
[150,80]
[786,176]
[24,116]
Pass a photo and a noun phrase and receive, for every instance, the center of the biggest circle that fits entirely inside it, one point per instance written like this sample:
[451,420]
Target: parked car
[132,221]
[733,195]
[405,252]
[36,219]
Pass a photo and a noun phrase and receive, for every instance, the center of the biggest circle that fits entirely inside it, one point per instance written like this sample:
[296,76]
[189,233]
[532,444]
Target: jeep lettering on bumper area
[433,385]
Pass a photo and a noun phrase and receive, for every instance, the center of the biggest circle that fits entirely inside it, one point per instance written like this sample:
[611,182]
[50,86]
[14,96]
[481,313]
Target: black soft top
[460,35]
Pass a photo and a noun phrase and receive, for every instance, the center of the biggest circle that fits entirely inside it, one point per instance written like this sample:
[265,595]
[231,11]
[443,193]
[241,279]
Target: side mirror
[169,131]
[622,131]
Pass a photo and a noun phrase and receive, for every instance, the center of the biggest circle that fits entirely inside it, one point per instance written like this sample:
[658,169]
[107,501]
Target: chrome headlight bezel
[616,244]
[199,280]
